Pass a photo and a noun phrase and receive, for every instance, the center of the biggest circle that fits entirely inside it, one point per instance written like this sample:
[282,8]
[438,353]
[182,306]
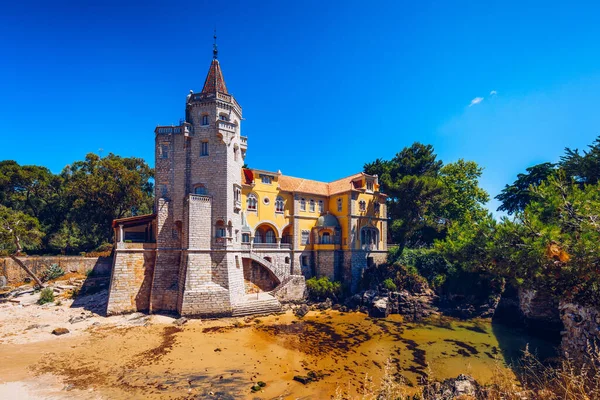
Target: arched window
[252,202]
[302,204]
[312,205]
[326,238]
[321,208]
[339,204]
[220,229]
[362,205]
[279,204]
[369,236]
[224,117]
[258,237]
[205,120]
[270,236]
[200,189]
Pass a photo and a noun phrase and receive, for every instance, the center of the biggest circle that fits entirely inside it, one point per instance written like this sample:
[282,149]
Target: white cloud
[493,93]
[476,100]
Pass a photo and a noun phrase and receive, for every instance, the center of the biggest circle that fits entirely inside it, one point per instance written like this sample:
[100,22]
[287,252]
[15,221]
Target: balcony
[244,141]
[226,126]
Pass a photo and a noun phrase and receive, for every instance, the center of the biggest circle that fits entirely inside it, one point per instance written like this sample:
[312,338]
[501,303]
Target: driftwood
[30,272]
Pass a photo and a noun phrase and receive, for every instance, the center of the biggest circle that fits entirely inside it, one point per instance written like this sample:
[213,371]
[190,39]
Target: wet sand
[225,358]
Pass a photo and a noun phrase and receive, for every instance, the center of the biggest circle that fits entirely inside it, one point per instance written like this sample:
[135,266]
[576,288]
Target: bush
[46,296]
[390,285]
[52,272]
[322,288]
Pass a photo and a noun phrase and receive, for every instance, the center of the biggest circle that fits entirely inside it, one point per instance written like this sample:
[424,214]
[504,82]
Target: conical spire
[214,80]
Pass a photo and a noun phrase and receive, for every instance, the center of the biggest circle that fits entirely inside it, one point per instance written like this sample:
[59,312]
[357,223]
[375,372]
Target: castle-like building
[228,240]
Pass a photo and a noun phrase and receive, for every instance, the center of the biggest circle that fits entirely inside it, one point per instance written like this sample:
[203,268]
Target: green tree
[515,197]
[463,198]
[583,168]
[19,231]
[414,191]
[103,189]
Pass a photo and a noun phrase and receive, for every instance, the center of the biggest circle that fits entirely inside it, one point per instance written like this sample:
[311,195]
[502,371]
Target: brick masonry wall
[131,281]
[15,274]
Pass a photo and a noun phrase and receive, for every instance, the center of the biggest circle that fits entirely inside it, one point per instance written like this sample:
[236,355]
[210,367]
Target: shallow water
[226,357]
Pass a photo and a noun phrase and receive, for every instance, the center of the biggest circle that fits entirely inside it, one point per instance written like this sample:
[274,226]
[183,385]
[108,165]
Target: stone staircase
[265,304]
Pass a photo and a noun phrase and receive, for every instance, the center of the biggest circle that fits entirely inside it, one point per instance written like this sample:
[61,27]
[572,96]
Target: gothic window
[305,237]
[362,205]
[204,148]
[204,120]
[376,207]
[339,205]
[312,205]
[252,202]
[302,204]
[321,209]
[279,204]
[369,236]
[258,237]
[201,190]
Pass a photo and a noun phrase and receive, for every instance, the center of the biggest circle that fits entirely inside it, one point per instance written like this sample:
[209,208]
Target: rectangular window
[220,232]
[302,205]
[204,149]
[164,191]
[312,205]
[164,151]
[245,238]
[321,209]
[369,186]
[305,237]
[339,205]
[266,179]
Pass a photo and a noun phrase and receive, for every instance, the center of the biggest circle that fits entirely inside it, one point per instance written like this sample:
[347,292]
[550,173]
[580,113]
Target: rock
[461,387]
[180,321]
[301,311]
[75,319]
[380,308]
[60,331]
[302,379]
[326,304]
[136,315]
[368,297]
[336,307]
[36,326]
[3,281]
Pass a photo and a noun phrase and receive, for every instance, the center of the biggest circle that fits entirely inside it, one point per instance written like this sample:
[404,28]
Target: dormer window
[205,120]
[369,186]
[266,179]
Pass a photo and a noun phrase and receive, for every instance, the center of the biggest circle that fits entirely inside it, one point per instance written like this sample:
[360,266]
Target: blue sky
[325,86]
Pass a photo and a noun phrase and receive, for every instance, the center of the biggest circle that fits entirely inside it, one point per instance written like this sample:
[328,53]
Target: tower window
[305,237]
[279,204]
[302,204]
[312,205]
[164,191]
[321,209]
[164,151]
[204,148]
[223,117]
[339,205]
[201,190]
[362,205]
[251,202]
[204,120]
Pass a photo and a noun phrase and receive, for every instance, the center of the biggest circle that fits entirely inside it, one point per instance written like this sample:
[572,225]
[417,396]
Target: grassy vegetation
[46,296]
[322,288]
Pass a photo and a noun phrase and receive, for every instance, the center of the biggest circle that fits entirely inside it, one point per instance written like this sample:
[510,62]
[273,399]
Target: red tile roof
[214,80]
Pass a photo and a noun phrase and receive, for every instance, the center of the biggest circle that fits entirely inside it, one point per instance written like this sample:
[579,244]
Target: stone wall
[15,274]
[581,328]
[131,281]
[259,275]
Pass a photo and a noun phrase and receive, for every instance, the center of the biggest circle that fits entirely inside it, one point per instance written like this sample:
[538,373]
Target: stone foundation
[15,274]
[131,281]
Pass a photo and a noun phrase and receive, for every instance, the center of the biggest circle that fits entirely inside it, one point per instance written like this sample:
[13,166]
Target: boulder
[60,331]
[380,308]
[3,281]
[461,387]
[301,311]
[180,321]
[326,304]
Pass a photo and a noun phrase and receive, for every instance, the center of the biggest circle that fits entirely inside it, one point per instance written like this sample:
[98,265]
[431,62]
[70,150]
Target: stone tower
[198,268]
